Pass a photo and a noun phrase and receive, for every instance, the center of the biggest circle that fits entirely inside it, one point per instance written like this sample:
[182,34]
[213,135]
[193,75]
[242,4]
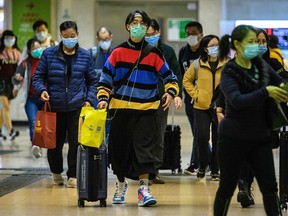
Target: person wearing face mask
[9,58]
[153,38]
[187,54]
[40,29]
[100,55]
[204,92]
[65,77]
[101,52]
[130,86]
[22,81]
[247,82]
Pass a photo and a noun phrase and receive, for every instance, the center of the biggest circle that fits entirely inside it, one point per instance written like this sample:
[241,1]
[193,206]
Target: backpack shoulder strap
[94,52]
[24,64]
[196,66]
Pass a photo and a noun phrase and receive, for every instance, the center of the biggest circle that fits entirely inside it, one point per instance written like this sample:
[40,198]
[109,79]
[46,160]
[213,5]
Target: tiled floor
[181,195]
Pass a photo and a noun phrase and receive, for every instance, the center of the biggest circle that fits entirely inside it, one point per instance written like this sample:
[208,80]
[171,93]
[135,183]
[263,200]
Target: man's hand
[178,102]
[44,96]
[168,100]
[102,105]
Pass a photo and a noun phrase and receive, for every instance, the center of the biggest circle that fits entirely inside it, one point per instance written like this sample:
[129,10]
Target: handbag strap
[47,104]
[144,53]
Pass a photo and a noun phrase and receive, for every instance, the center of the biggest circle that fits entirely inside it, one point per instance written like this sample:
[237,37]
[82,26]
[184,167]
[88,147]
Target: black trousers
[67,126]
[131,144]
[234,153]
[203,120]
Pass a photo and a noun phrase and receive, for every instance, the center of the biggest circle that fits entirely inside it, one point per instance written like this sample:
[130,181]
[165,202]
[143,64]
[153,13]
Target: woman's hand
[278,94]
[18,77]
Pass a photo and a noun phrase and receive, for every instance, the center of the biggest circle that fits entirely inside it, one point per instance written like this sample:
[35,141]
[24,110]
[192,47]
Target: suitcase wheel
[103,203]
[284,206]
[179,170]
[81,203]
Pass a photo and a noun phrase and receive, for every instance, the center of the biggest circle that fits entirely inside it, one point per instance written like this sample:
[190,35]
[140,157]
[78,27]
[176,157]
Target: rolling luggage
[91,175]
[283,168]
[172,149]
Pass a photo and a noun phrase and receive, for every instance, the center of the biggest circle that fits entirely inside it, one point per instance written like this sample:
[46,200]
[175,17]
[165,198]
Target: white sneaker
[36,151]
[57,179]
[72,182]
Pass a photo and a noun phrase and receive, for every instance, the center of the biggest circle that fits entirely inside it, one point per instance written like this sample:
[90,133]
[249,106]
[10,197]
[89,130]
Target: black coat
[246,98]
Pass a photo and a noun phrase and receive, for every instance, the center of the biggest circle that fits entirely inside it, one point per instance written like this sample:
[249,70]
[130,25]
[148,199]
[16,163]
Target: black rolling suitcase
[91,175]
[283,168]
[172,149]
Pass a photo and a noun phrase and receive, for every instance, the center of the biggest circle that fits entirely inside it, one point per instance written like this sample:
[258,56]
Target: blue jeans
[31,108]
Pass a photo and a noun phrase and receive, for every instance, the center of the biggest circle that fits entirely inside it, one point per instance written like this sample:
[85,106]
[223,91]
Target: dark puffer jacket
[67,93]
[246,100]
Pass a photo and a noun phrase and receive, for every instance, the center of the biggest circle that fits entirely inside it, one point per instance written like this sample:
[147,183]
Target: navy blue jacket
[246,100]
[67,93]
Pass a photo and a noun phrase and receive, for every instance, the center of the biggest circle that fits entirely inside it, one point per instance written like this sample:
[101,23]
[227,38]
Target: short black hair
[68,24]
[38,23]
[131,16]
[194,24]
[154,24]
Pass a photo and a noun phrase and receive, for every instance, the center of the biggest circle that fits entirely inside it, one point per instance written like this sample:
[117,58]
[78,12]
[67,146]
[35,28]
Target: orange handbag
[45,128]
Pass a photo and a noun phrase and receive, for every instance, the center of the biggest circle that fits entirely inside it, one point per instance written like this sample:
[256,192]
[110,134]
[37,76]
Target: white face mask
[192,40]
[41,36]
[105,45]
[9,42]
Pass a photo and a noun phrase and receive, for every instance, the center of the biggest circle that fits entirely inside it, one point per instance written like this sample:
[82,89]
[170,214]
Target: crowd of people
[137,81]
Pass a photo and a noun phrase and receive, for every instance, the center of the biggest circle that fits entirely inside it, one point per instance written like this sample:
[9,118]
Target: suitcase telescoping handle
[173,115]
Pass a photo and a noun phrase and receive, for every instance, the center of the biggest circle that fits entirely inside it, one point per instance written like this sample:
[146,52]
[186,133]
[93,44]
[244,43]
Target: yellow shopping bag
[91,131]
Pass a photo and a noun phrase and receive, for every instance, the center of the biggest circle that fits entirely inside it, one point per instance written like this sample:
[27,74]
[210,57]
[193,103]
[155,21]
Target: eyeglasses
[213,45]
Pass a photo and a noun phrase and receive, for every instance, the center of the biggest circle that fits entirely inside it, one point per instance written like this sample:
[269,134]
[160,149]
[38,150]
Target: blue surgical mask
[213,51]
[262,49]
[37,53]
[153,40]
[250,51]
[70,42]
[138,31]
[105,45]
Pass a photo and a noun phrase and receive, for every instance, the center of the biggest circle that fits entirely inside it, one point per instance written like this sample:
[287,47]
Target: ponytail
[224,47]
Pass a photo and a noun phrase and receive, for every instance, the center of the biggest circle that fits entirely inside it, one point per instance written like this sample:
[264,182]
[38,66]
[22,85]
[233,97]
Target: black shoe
[215,176]
[244,196]
[201,173]
[156,180]
[2,137]
[191,170]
